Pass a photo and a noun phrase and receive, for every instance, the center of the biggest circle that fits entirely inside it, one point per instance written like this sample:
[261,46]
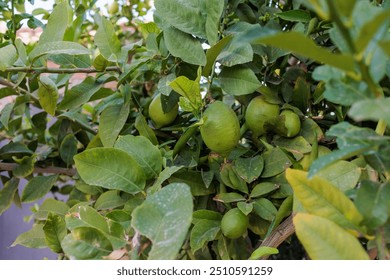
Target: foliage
[118,186]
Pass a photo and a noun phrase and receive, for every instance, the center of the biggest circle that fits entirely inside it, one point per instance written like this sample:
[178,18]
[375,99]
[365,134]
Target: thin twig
[49,169]
[62,70]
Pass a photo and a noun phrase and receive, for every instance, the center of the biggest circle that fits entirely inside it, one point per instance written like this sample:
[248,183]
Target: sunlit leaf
[325,240]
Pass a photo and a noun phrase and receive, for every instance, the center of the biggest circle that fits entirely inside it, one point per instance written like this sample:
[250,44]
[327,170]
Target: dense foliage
[221,130]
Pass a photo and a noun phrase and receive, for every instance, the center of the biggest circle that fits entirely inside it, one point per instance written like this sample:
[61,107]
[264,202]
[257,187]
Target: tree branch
[49,169]
[62,70]
[279,235]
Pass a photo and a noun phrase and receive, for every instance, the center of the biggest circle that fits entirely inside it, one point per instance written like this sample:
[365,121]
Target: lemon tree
[207,129]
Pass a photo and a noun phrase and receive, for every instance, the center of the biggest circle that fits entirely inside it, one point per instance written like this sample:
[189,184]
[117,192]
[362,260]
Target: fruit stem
[184,139]
[243,129]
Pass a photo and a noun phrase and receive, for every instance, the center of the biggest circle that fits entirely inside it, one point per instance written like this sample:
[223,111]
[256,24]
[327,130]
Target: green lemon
[258,112]
[113,8]
[234,223]
[292,123]
[221,129]
[158,116]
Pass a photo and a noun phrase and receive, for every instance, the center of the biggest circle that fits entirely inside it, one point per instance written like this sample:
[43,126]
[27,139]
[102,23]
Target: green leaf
[336,155]
[112,120]
[238,80]
[25,166]
[7,194]
[189,50]
[319,197]
[111,169]
[371,28]
[214,10]
[147,155]
[200,215]
[249,168]
[80,94]
[275,162]
[325,240]
[263,251]
[373,110]
[91,218]
[6,113]
[55,231]
[109,200]
[212,54]
[107,41]
[38,187]
[68,149]
[297,145]
[284,210]
[301,45]
[265,209]
[194,180]
[373,201]
[51,205]
[8,56]
[48,95]
[187,16]
[165,175]
[245,207]
[385,45]
[301,96]
[34,238]
[165,218]
[342,174]
[188,89]
[86,243]
[229,197]
[58,47]
[263,189]
[57,24]
[144,130]
[203,232]
[295,15]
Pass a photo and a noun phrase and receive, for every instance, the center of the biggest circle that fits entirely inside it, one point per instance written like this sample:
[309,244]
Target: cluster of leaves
[123,188]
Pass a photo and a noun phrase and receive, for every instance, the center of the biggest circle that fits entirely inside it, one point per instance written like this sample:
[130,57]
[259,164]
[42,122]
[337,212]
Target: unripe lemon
[113,8]
[258,112]
[234,223]
[221,129]
[158,116]
[292,123]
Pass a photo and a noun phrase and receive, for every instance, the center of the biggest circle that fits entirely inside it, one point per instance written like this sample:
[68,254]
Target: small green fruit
[221,129]
[258,112]
[234,223]
[158,116]
[113,8]
[292,124]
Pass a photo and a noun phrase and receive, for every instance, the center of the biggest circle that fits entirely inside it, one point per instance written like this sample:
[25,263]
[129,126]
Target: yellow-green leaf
[319,197]
[325,240]
[48,95]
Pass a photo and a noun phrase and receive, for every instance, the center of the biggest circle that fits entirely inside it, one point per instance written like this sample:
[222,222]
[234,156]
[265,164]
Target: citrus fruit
[221,129]
[158,116]
[234,223]
[113,8]
[258,112]
[292,123]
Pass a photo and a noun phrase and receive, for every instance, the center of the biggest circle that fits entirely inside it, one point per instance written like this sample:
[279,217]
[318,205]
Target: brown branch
[279,235]
[12,85]
[62,70]
[49,169]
